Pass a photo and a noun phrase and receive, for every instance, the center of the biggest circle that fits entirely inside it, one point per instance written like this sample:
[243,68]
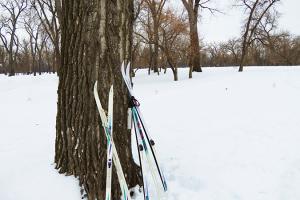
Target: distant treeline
[284,49]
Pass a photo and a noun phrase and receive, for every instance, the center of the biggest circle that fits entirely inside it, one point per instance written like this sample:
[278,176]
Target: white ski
[148,159]
[138,117]
[109,128]
[111,152]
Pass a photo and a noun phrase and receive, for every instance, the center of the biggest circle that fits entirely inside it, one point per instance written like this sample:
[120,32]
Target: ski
[143,144]
[135,109]
[109,128]
[140,149]
[152,148]
[115,158]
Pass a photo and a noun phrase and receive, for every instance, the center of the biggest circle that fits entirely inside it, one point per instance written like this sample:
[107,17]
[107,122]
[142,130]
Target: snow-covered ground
[222,135]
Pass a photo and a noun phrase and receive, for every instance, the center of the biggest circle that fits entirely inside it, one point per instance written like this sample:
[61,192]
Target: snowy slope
[222,135]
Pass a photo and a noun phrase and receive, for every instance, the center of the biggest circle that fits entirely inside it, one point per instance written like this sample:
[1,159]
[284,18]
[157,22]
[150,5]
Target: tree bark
[194,42]
[192,8]
[11,61]
[175,72]
[241,67]
[96,37]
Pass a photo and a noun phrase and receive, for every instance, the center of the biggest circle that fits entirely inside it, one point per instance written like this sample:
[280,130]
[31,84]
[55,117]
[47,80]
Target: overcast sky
[221,27]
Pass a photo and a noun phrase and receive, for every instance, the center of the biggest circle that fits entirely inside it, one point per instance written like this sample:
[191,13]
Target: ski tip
[122,65]
[111,93]
[95,86]
[128,68]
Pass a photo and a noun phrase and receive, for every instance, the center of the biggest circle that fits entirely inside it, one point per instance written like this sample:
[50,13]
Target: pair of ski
[112,155]
[145,144]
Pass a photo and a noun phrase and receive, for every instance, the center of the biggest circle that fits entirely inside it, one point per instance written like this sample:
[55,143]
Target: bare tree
[32,28]
[256,10]
[96,37]
[156,9]
[42,42]
[11,12]
[266,35]
[174,31]
[143,32]
[49,12]
[192,7]
[24,64]
[234,48]
[282,48]
[213,50]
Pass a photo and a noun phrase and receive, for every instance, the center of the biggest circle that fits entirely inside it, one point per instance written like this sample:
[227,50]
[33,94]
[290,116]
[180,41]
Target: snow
[222,135]
[27,138]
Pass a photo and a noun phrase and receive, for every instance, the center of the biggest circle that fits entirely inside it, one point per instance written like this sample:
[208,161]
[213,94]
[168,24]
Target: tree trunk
[150,59]
[244,52]
[172,66]
[194,42]
[155,53]
[241,67]
[11,65]
[175,73]
[57,58]
[11,62]
[194,50]
[40,63]
[95,38]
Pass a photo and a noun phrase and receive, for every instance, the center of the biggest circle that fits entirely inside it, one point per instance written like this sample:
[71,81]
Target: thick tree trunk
[95,37]
[244,52]
[40,63]
[241,67]
[194,44]
[33,56]
[150,59]
[11,63]
[192,8]
[175,73]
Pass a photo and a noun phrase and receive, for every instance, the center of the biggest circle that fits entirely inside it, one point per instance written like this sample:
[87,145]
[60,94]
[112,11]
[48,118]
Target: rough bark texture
[195,47]
[96,36]
[192,8]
